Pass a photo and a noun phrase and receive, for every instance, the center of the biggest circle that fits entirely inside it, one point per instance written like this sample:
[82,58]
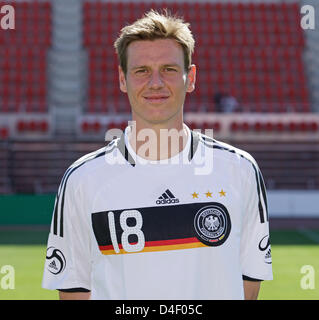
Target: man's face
[156,81]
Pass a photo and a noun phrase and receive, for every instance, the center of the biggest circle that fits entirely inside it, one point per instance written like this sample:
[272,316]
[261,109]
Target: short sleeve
[67,263]
[255,245]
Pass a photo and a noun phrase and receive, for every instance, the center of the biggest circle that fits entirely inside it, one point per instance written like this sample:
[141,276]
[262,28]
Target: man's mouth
[156,98]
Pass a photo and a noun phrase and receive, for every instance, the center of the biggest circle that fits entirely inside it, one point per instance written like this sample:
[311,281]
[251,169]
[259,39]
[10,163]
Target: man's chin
[156,117]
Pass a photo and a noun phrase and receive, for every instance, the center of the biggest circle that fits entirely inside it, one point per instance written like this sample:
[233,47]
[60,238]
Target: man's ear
[122,80]
[191,78]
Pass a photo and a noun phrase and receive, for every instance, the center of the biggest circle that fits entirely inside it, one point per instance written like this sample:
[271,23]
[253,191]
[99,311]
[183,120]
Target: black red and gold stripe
[152,246]
[164,227]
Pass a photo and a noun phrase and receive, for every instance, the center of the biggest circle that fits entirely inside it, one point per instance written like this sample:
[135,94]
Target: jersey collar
[130,156]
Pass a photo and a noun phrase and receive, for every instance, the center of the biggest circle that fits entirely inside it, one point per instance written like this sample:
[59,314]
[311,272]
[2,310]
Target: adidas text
[165,201]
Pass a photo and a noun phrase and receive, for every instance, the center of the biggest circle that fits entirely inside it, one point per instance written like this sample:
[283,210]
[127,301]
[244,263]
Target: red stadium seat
[44,126]
[21,126]
[257,126]
[96,126]
[280,127]
[292,126]
[85,126]
[244,126]
[217,126]
[32,125]
[4,133]
[234,126]
[313,126]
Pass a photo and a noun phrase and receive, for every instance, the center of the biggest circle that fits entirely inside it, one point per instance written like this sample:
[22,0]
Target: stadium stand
[23,58]
[5,181]
[301,126]
[32,126]
[287,166]
[251,51]
[36,167]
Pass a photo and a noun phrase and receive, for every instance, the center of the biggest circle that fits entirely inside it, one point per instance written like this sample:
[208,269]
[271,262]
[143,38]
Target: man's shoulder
[89,158]
[90,162]
[228,150]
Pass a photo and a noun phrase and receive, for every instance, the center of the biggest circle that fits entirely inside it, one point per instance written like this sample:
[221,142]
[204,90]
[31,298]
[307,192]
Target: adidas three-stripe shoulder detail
[58,212]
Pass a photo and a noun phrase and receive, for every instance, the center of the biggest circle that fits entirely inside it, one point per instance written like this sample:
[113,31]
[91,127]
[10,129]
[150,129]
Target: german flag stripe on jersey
[150,229]
[152,246]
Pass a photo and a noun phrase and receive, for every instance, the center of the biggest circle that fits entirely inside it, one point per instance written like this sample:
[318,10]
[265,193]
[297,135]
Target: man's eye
[140,71]
[170,69]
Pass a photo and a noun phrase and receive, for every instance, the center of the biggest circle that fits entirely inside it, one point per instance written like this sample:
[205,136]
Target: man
[147,217]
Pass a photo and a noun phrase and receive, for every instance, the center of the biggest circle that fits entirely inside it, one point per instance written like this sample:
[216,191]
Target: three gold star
[209,194]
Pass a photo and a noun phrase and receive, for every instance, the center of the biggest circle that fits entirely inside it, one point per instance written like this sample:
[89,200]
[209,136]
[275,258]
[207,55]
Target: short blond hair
[154,25]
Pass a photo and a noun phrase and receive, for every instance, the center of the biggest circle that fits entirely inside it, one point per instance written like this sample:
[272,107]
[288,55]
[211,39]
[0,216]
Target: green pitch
[291,250]
[25,251]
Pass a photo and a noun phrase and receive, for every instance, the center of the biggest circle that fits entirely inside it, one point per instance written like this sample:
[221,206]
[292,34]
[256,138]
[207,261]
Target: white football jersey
[190,227]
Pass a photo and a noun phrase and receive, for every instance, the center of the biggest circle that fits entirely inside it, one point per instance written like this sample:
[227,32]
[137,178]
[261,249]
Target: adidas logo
[52,265]
[167,197]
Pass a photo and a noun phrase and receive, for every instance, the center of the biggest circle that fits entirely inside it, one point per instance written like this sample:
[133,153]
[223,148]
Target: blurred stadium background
[59,94]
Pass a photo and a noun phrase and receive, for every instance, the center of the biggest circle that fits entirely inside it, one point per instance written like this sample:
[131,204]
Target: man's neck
[157,141]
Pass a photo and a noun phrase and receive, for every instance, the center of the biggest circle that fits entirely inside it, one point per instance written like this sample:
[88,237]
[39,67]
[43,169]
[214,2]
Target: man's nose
[156,80]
